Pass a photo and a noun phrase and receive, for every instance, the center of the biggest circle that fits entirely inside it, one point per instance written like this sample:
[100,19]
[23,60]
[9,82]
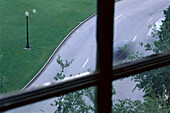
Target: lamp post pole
[27,14]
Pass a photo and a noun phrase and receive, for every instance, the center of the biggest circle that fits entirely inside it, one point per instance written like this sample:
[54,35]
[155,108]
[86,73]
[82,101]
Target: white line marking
[118,16]
[150,19]
[148,2]
[134,38]
[85,63]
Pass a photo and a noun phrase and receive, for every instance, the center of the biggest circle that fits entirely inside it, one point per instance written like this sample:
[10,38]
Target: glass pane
[140,29]
[49,22]
[81,101]
[147,92]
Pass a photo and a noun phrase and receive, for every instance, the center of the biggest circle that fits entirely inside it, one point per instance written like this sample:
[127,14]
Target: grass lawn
[53,20]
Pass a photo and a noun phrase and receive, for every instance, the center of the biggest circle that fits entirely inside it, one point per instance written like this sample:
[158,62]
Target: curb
[44,66]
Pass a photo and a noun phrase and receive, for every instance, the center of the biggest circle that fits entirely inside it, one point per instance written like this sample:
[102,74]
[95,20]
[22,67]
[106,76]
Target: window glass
[140,29]
[144,92]
[81,101]
[49,23]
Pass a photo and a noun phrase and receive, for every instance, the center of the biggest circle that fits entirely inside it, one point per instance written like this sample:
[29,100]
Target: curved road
[132,18]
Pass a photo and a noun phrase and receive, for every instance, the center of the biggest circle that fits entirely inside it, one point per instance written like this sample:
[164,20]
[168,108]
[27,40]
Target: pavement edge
[52,55]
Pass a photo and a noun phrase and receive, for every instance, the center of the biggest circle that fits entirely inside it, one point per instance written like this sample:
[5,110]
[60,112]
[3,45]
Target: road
[132,18]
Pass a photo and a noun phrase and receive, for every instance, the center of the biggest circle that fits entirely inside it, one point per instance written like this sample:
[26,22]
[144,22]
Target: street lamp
[27,14]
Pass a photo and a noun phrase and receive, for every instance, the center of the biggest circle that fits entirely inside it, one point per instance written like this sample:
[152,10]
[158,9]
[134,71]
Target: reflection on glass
[141,29]
[49,22]
[146,92]
[81,101]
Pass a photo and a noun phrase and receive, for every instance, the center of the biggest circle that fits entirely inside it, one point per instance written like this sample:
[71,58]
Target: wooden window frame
[103,76]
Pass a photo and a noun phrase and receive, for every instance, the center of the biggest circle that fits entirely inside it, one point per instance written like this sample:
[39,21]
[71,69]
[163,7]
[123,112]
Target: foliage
[155,84]
[162,44]
[126,106]
[63,65]
[159,79]
[150,105]
[74,102]
[154,104]
[81,101]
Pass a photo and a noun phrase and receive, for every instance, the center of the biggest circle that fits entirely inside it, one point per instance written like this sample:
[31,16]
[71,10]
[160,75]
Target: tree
[74,102]
[163,36]
[155,84]
[158,79]
[63,65]
[150,105]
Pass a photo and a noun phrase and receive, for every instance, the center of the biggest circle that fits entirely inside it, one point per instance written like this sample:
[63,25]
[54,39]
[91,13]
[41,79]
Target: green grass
[53,20]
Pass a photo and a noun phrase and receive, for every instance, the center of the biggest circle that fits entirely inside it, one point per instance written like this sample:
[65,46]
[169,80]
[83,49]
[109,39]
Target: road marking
[148,2]
[85,63]
[118,16]
[150,19]
[134,38]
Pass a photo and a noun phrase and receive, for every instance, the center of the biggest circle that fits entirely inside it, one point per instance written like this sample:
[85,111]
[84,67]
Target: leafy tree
[81,101]
[155,83]
[150,105]
[63,65]
[126,106]
[163,36]
[158,79]
[74,102]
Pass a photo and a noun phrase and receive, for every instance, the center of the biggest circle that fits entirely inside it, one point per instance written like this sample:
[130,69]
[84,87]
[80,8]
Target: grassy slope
[53,20]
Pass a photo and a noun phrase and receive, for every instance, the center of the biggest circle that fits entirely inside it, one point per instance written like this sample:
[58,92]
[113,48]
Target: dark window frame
[103,76]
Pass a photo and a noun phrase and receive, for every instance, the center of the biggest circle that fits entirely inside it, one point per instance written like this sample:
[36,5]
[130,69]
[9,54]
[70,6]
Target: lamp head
[26,13]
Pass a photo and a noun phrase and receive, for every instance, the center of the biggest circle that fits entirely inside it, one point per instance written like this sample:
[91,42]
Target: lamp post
[27,14]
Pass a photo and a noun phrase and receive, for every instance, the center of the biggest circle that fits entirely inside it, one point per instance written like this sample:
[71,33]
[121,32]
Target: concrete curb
[42,69]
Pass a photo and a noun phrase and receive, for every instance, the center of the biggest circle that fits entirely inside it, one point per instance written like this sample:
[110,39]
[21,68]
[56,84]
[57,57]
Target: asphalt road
[132,18]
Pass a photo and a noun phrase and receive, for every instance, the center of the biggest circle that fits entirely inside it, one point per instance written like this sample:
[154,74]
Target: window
[102,78]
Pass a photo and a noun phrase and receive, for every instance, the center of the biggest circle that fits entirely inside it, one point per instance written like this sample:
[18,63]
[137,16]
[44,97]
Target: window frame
[103,76]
